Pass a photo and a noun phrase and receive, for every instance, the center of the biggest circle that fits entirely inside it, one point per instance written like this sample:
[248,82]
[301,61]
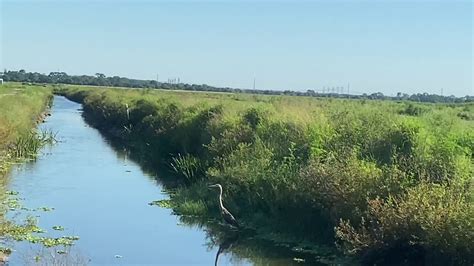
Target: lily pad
[45,209]
[58,228]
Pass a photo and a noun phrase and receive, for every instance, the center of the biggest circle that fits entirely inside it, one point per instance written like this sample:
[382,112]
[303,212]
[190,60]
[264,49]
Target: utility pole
[253,83]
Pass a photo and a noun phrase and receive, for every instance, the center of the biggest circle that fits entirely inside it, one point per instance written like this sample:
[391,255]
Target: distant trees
[100,79]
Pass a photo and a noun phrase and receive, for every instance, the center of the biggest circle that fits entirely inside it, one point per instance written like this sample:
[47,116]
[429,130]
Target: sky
[369,46]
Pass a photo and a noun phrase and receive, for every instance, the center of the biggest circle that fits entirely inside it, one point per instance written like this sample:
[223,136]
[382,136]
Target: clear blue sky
[387,46]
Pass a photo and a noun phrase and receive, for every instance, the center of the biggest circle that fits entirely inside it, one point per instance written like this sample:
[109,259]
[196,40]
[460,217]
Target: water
[101,196]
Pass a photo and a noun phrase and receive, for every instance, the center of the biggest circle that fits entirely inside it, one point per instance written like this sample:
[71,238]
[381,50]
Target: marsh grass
[187,166]
[350,171]
[29,144]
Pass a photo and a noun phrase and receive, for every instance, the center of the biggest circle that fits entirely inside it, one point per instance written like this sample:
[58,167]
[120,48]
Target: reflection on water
[225,245]
[35,255]
[101,194]
[248,245]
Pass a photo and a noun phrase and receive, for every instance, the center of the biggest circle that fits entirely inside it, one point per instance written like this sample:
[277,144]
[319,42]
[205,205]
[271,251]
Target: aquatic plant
[28,145]
[187,166]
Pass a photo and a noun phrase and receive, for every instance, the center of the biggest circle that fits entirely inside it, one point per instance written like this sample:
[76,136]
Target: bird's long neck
[220,199]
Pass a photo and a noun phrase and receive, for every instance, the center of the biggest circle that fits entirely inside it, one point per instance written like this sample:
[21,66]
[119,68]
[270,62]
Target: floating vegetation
[11,193]
[12,203]
[45,209]
[48,241]
[58,228]
[29,230]
[64,241]
[191,207]
[166,203]
[5,251]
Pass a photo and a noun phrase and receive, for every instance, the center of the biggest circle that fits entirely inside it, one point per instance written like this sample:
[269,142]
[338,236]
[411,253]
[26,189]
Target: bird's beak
[211,186]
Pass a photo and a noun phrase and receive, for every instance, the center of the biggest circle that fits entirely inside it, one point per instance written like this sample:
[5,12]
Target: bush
[435,217]
[413,110]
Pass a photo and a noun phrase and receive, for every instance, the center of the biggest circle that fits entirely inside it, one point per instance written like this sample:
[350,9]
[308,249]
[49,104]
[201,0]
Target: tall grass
[373,176]
[188,167]
[21,109]
[28,144]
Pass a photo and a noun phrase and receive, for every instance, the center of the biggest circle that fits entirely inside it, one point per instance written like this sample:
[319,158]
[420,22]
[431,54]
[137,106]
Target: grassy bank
[21,109]
[377,178]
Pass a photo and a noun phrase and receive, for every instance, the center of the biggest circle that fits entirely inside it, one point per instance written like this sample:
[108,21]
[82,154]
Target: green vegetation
[21,109]
[376,177]
[100,79]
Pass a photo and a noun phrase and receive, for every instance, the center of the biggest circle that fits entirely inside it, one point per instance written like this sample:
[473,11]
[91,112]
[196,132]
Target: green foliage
[435,216]
[414,110]
[28,145]
[467,113]
[385,174]
[162,203]
[188,167]
[28,230]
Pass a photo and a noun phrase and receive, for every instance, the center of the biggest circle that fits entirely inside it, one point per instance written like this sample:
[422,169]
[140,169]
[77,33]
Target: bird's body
[226,215]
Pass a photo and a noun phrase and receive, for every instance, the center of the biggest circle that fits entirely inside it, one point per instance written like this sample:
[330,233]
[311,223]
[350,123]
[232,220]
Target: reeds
[28,145]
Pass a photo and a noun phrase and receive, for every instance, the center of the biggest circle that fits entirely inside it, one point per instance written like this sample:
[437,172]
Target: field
[374,177]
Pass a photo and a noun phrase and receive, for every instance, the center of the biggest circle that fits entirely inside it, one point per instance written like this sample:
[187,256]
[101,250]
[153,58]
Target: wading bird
[228,217]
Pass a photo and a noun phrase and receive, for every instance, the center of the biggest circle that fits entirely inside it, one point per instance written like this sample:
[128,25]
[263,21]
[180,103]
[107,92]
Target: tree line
[100,79]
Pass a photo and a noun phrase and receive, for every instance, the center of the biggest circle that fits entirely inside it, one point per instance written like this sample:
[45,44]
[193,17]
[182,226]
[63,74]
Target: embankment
[381,181]
[21,108]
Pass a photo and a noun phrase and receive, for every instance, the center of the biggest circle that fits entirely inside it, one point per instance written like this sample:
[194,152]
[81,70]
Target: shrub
[435,217]
[413,110]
